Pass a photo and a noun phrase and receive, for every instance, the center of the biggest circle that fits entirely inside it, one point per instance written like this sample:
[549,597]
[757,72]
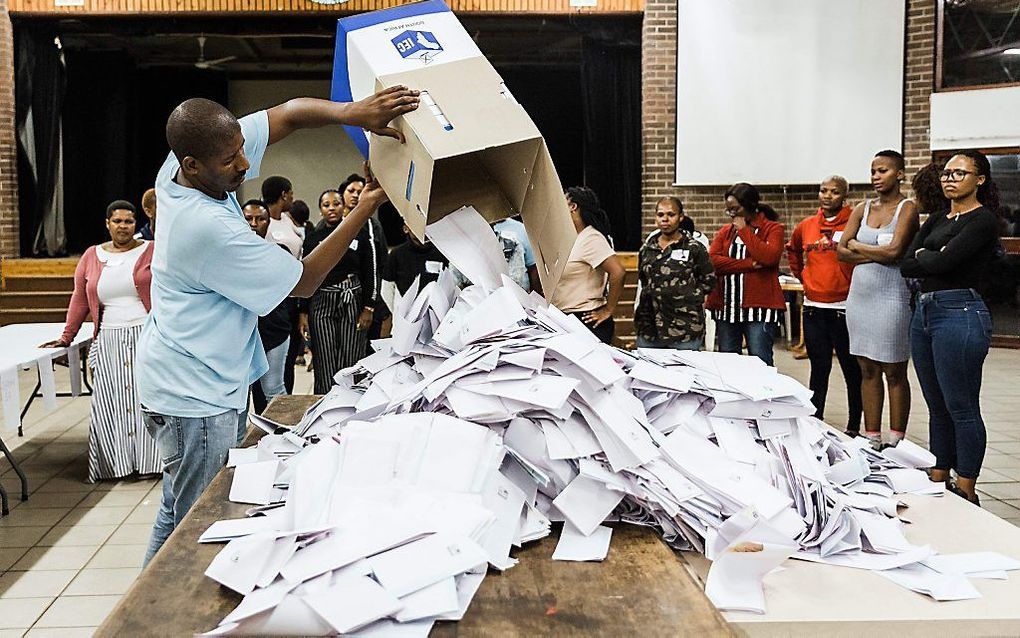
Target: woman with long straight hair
[951,328]
[878,305]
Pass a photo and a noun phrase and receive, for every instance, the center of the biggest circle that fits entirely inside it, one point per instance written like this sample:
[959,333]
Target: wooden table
[641,589]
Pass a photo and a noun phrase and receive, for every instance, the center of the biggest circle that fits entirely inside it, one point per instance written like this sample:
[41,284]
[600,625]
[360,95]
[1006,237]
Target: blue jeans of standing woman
[272,381]
[193,450]
[949,338]
[759,335]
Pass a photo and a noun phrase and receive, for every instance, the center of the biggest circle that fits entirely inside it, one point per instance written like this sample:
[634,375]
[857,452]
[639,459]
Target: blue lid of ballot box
[408,43]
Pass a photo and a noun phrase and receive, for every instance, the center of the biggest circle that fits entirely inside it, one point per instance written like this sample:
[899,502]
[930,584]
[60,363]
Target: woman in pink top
[111,283]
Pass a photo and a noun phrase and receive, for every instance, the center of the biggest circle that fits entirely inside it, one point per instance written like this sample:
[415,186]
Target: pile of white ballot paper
[489,414]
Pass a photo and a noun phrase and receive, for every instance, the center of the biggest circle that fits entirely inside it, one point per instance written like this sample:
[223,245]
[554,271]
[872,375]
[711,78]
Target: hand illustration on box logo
[419,44]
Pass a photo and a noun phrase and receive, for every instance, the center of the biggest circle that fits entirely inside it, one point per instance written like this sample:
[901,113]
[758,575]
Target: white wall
[313,160]
[979,118]
[783,91]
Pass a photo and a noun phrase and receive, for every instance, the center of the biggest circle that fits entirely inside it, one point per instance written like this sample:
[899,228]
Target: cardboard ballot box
[470,143]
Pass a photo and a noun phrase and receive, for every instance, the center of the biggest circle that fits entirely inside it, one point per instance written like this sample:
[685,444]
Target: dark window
[980,42]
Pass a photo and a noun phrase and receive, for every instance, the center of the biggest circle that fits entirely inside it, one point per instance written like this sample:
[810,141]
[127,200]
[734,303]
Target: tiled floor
[71,550]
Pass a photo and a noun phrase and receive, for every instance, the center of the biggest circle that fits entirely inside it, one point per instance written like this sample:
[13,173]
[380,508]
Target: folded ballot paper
[490,414]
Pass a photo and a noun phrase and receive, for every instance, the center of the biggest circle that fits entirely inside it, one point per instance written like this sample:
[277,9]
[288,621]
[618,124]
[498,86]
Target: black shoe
[956,490]
[853,434]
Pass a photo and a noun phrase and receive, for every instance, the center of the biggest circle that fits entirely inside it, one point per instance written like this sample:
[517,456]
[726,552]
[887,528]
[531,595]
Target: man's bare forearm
[327,254]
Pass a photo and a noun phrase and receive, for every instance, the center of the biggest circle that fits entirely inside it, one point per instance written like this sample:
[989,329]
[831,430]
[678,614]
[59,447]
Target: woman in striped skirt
[747,301]
[340,312]
[112,283]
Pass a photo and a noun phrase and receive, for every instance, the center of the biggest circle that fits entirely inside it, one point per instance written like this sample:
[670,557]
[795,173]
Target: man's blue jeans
[693,344]
[272,381]
[193,450]
[759,335]
[949,338]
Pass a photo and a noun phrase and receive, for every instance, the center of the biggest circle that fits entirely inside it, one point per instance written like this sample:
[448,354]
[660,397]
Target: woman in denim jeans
[951,327]
[747,300]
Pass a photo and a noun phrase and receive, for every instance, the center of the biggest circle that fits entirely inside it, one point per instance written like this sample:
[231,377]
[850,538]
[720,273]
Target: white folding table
[19,350]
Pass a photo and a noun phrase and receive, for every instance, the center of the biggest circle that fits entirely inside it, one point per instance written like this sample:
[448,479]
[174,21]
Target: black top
[956,251]
[409,260]
[274,328]
[361,260]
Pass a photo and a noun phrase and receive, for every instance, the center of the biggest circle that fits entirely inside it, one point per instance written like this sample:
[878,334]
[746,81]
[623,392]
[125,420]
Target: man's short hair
[274,187]
[121,204]
[200,128]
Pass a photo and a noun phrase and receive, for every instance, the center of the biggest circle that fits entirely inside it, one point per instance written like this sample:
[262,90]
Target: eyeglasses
[955,175]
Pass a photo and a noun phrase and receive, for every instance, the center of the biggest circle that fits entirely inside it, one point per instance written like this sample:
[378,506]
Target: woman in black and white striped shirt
[340,311]
[747,300]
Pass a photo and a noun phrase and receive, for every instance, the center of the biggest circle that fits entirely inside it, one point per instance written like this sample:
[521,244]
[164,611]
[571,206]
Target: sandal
[956,490]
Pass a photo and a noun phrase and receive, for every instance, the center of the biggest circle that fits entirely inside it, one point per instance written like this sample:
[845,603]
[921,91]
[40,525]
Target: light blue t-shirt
[211,279]
[516,228]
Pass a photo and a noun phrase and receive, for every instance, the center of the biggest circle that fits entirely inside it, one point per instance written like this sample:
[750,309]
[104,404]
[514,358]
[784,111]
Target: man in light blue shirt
[212,277]
[516,228]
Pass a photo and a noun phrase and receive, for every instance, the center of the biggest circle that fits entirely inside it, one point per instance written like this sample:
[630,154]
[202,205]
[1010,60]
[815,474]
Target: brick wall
[704,204]
[8,150]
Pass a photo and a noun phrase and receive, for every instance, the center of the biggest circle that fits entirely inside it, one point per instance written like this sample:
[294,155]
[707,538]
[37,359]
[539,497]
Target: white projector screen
[786,91]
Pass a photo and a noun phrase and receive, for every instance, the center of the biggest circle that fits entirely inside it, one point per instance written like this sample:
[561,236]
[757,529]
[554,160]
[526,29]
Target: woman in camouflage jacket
[675,274]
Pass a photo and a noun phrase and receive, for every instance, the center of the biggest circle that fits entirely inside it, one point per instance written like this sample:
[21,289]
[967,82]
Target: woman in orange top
[812,257]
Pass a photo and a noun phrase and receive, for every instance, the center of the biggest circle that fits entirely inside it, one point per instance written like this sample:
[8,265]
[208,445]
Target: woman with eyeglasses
[878,304]
[951,328]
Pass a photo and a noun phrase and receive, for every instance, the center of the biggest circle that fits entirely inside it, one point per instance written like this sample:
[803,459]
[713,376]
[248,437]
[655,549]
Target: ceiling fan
[204,64]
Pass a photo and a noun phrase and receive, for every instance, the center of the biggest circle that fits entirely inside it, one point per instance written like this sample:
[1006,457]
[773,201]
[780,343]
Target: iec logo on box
[417,43]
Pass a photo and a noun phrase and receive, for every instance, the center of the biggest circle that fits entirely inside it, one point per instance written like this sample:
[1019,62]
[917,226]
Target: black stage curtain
[114,128]
[39,91]
[611,96]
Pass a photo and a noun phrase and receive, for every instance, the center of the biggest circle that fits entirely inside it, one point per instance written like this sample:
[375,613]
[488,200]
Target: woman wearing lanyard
[112,283]
[747,298]
[675,273]
[340,311]
[951,328]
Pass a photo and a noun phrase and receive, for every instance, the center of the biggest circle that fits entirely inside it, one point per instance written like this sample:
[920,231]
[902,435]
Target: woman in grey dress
[878,306]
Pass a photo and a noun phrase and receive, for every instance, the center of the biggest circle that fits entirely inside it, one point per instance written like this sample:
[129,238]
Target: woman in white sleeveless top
[878,306]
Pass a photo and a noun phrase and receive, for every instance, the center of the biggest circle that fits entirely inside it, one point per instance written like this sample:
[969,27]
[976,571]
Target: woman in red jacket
[111,283]
[747,300]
